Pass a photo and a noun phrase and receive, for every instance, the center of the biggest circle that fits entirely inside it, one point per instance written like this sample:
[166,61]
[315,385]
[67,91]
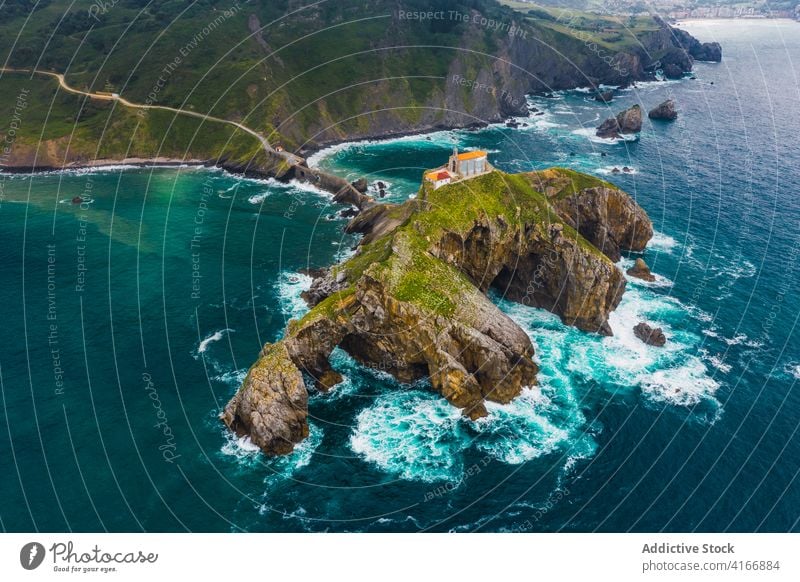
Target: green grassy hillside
[300,74]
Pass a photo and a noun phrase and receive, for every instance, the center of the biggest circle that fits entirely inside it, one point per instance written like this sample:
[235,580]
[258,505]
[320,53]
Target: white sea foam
[531,426]
[257,199]
[413,434]
[214,337]
[716,360]
[673,373]
[417,435]
[660,281]
[240,447]
[278,468]
[233,378]
[793,369]
[609,171]
[730,271]
[336,150]
[590,134]
[683,385]
[289,287]
[662,242]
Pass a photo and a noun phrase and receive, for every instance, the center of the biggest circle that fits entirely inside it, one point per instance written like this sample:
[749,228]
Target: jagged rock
[325,283]
[327,380]
[413,297]
[361,185]
[271,407]
[604,96]
[649,335]
[628,121]
[640,270]
[665,111]
[605,215]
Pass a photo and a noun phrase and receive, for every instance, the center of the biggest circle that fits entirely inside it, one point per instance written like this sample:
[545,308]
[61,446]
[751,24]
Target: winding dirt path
[289,157]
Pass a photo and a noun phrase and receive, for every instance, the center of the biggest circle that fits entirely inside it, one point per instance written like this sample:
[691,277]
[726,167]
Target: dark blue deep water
[129,321]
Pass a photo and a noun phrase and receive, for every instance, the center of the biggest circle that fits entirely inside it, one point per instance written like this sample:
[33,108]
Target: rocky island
[625,122]
[414,294]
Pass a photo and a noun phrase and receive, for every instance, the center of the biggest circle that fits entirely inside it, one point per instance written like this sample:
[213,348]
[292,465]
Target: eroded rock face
[540,269]
[476,353]
[271,407]
[603,214]
[628,121]
[666,111]
[707,51]
[412,300]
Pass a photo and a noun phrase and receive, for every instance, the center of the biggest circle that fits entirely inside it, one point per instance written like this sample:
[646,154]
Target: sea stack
[666,111]
[626,122]
[640,270]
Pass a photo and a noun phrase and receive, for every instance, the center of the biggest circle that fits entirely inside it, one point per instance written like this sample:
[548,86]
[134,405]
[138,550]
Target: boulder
[626,122]
[649,335]
[604,96]
[640,270]
[361,185]
[666,111]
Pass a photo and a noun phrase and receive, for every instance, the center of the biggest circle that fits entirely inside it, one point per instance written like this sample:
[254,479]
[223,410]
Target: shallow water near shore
[135,315]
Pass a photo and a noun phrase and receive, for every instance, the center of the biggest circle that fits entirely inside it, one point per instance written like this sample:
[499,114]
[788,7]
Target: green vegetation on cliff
[413,302]
[301,74]
[55,126]
[402,259]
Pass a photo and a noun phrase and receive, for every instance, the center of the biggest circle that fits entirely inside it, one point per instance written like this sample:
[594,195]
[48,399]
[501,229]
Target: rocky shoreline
[414,296]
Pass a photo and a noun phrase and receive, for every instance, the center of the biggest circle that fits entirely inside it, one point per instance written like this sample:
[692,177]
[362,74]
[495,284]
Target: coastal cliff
[334,71]
[414,296]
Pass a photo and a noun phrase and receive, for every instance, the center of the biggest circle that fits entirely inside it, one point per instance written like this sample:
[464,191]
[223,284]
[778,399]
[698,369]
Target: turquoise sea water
[129,321]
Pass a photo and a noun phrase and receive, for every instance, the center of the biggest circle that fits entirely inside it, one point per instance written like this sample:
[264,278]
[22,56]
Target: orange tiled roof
[437,175]
[471,155]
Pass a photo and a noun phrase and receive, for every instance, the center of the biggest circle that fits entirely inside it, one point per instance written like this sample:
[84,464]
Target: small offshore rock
[666,111]
[604,96]
[649,335]
[640,270]
[628,121]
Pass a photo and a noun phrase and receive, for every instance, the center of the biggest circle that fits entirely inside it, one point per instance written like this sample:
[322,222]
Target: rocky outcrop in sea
[652,336]
[640,270]
[413,301]
[665,111]
[625,122]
